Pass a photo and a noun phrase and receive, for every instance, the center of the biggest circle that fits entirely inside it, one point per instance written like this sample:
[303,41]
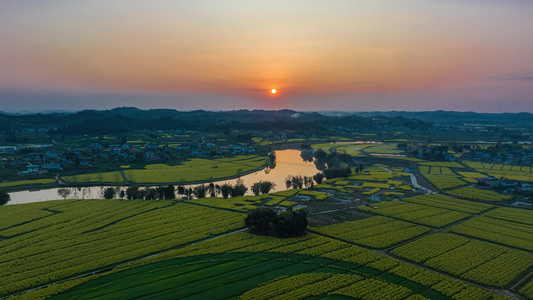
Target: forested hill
[454,117]
[122,120]
[127,119]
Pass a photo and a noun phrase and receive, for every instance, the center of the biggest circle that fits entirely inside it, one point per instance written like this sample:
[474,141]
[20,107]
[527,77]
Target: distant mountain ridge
[452,117]
[125,118]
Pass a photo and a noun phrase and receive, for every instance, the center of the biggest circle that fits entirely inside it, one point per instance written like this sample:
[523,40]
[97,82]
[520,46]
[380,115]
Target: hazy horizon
[223,55]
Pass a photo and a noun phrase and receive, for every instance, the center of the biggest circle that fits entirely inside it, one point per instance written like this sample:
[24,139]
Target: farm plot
[447,164]
[468,258]
[506,171]
[91,234]
[498,231]
[375,232]
[197,169]
[442,180]
[512,214]
[417,213]
[450,203]
[13,215]
[105,177]
[243,203]
[478,194]
[27,182]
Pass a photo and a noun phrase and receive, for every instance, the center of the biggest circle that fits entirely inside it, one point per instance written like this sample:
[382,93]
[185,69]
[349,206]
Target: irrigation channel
[288,162]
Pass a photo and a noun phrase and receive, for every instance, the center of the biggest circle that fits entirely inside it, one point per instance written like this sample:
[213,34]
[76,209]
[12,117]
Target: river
[288,162]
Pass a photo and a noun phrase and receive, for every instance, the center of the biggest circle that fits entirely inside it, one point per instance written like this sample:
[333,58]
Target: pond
[288,162]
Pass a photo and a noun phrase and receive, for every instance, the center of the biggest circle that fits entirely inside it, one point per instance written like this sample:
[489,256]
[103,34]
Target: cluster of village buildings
[44,159]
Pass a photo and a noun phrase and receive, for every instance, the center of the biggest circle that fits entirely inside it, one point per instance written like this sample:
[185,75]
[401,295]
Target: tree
[308,181]
[272,159]
[225,190]
[266,186]
[288,182]
[4,197]
[169,192]
[256,188]
[297,182]
[109,193]
[212,189]
[239,189]
[63,193]
[181,190]
[122,194]
[200,191]
[319,177]
[320,155]
[132,192]
[259,220]
[160,191]
[150,193]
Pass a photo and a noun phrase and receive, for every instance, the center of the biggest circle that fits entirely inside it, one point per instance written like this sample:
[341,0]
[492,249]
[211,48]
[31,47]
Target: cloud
[516,76]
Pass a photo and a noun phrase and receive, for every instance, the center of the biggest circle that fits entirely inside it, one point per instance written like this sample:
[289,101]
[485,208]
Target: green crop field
[417,213]
[70,237]
[27,182]
[450,203]
[383,149]
[506,171]
[499,231]
[478,194]
[255,267]
[194,249]
[105,177]
[196,169]
[454,254]
[375,232]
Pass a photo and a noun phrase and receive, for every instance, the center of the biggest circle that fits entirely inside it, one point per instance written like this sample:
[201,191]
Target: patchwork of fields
[401,245]
[435,247]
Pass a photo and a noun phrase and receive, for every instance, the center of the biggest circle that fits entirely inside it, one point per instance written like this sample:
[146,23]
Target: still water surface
[288,162]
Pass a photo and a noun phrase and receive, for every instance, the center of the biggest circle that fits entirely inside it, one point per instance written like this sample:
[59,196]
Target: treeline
[124,120]
[170,192]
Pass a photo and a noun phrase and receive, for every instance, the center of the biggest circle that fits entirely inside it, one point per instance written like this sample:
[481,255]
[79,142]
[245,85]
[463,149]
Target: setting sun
[273,91]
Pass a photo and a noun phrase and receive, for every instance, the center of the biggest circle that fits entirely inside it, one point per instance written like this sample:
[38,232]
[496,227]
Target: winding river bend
[288,162]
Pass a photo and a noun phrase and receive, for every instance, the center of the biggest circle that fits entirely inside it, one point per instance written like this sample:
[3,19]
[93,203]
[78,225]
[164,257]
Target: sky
[347,55]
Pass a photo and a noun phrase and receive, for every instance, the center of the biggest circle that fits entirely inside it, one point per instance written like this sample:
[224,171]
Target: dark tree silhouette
[109,193]
[266,221]
[200,191]
[319,177]
[4,198]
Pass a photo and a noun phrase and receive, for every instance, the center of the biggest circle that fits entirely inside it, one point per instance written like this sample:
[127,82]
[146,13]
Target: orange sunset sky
[223,55]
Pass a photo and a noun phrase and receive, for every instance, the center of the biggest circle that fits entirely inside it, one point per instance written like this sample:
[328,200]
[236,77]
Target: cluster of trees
[338,164]
[134,192]
[262,187]
[337,172]
[298,182]
[266,221]
[4,198]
